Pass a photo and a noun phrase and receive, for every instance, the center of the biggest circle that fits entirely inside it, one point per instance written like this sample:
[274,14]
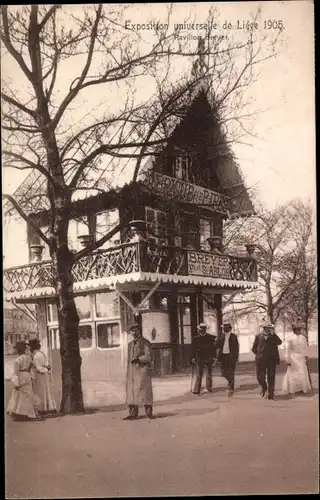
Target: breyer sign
[170,187]
[206,264]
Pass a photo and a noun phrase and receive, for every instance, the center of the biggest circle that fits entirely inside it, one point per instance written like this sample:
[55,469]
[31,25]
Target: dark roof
[31,193]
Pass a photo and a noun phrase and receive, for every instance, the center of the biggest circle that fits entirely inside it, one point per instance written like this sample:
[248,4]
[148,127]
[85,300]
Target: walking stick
[192,371]
[309,375]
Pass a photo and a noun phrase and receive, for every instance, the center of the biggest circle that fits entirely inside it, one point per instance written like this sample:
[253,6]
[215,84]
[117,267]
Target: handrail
[127,258]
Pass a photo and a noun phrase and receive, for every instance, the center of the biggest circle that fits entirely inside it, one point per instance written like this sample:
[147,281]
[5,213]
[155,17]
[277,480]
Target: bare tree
[40,133]
[301,300]
[286,260]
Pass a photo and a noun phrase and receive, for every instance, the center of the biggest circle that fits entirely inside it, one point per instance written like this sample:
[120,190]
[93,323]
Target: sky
[280,160]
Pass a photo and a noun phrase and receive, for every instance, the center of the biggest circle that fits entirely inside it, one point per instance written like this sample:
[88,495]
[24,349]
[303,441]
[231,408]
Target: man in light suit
[228,355]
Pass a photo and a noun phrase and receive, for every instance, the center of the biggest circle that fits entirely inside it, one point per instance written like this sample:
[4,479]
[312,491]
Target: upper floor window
[105,222]
[205,233]
[182,167]
[77,227]
[157,226]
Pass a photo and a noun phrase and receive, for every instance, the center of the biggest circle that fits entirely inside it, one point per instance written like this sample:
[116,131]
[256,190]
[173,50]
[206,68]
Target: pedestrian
[138,380]
[228,355]
[40,374]
[203,356]
[265,348]
[21,405]
[296,378]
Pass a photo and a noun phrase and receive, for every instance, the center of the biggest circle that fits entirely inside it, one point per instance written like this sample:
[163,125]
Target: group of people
[208,350]
[32,397]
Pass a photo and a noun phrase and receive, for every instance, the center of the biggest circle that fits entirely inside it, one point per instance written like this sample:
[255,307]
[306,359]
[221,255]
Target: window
[105,221]
[182,167]
[52,313]
[85,336]
[108,335]
[208,303]
[54,339]
[46,252]
[83,306]
[107,305]
[205,233]
[157,226]
[77,227]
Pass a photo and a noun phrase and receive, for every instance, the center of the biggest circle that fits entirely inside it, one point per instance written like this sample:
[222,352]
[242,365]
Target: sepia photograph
[159,249]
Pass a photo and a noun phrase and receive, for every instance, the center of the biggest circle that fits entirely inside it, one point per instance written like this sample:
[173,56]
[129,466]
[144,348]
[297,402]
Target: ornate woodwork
[139,256]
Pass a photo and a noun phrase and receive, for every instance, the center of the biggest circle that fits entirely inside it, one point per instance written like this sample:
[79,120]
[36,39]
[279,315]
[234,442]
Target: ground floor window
[99,325]
[108,335]
[54,340]
[85,336]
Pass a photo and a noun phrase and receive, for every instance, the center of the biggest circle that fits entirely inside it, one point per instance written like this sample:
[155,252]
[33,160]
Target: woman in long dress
[296,378]
[40,374]
[21,405]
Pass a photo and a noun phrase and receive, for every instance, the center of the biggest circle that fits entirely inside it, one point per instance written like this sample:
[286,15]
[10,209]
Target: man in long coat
[139,384]
[228,355]
[265,347]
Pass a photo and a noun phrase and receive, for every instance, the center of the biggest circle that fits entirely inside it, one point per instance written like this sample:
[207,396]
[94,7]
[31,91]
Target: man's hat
[297,325]
[134,326]
[201,325]
[266,324]
[226,323]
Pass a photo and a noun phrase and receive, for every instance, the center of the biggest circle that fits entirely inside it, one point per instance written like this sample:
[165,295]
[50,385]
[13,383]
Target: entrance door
[55,362]
[187,324]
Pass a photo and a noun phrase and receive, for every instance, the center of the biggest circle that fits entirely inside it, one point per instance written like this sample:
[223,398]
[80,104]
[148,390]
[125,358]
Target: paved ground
[208,445]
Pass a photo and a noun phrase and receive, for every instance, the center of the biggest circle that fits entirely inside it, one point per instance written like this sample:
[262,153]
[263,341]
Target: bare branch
[26,218]
[17,104]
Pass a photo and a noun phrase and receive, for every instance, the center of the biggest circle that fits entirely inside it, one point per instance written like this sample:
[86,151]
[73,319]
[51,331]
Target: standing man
[265,348]
[203,355]
[139,384]
[228,355]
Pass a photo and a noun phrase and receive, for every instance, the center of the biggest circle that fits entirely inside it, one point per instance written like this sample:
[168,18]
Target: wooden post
[218,306]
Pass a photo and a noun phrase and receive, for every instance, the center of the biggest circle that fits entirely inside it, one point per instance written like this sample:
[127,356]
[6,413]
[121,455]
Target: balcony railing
[135,257]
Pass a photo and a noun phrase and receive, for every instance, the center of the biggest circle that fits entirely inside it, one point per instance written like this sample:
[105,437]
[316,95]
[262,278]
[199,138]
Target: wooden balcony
[136,257]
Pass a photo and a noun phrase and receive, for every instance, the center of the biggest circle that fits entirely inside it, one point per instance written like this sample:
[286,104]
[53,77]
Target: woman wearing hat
[41,379]
[296,378]
[21,404]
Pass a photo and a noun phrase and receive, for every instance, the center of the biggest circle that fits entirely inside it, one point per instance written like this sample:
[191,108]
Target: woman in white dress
[296,378]
[21,405]
[41,383]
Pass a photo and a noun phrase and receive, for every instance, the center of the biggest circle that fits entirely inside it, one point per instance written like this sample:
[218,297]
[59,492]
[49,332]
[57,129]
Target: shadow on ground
[244,368]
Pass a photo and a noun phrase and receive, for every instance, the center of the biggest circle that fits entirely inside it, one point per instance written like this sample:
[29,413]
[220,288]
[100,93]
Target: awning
[138,277]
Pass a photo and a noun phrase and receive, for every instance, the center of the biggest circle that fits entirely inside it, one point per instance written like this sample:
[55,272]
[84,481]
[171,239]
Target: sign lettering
[206,264]
[170,187]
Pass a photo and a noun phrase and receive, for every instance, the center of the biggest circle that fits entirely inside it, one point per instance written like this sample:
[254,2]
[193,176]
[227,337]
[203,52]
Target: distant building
[17,326]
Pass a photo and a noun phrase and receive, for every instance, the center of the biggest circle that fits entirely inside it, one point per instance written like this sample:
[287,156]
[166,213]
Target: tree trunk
[306,325]
[72,397]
